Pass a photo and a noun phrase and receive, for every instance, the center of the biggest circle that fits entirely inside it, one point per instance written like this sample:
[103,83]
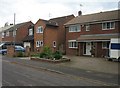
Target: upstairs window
[108,25]
[3,34]
[40,29]
[30,31]
[87,27]
[14,33]
[74,28]
[7,33]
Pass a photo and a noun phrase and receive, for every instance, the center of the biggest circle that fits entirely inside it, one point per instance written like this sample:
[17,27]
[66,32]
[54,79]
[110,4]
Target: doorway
[87,48]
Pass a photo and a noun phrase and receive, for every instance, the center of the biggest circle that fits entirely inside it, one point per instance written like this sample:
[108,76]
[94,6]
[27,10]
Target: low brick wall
[27,51]
[49,60]
[10,51]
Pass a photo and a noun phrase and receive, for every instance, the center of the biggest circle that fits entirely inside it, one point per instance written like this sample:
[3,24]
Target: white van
[114,49]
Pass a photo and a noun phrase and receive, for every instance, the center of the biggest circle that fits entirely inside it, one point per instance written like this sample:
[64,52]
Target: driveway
[92,63]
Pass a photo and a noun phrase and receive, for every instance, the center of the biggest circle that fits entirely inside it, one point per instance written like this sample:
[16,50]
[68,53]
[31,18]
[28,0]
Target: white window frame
[39,43]
[14,33]
[54,43]
[104,46]
[39,29]
[87,27]
[75,28]
[3,35]
[105,24]
[7,33]
[30,31]
[71,44]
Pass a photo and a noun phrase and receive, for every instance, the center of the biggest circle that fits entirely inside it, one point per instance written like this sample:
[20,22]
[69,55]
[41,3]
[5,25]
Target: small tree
[47,52]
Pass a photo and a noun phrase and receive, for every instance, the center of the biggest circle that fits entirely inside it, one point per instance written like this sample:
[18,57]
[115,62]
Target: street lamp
[14,29]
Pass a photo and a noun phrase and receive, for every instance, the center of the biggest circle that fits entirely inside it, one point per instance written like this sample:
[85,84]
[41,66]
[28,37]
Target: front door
[87,48]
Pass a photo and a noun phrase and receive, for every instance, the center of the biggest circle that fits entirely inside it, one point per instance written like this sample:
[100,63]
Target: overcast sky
[27,10]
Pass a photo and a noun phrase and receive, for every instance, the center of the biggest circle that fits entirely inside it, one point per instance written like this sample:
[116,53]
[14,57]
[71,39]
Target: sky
[33,10]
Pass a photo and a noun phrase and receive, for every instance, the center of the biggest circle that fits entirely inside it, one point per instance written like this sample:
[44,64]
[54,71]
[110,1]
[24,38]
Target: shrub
[57,55]
[42,55]
[20,54]
[35,55]
[47,53]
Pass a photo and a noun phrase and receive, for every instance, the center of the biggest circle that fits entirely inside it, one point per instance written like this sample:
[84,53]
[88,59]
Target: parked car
[17,49]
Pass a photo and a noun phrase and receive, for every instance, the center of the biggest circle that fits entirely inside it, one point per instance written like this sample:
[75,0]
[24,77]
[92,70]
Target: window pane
[108,25]
[30,32]
[87,27]
[112,24]
[74,28]
[78,27]
[104,25]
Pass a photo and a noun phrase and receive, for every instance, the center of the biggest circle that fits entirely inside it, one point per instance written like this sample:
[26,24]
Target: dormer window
[40,29]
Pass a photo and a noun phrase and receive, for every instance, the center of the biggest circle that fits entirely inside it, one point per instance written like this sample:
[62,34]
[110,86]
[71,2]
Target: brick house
[17,33]
[90,34]
[50,33]
[2,29]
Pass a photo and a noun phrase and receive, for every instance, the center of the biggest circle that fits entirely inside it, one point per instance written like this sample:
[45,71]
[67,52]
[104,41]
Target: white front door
[87,48]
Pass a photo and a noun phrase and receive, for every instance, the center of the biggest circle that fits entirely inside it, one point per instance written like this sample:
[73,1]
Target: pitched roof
[56,21]
[61,19]
[29,38]
[5,28]
[48,22]
[17,26]
[96,17]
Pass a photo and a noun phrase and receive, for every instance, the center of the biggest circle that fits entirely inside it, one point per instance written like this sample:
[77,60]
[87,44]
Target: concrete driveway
[92,63]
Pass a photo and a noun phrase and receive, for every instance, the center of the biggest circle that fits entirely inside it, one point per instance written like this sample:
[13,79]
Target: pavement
[92,63]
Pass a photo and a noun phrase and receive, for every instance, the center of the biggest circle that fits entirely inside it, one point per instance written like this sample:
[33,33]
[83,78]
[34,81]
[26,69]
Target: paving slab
[92,63]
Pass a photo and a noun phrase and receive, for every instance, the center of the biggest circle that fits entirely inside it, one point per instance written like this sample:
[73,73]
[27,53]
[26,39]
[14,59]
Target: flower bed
[50,60]
[48,56]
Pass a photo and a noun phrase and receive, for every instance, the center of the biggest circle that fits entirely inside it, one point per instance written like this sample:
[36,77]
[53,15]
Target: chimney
[11,24]
[79,13]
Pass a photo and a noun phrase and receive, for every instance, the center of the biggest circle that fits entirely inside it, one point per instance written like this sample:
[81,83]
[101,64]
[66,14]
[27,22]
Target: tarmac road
[19,72]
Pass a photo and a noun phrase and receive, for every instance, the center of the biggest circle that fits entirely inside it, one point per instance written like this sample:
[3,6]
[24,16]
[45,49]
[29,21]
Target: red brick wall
[95,29]
[38,36]
[50,35]
[21,33]
[71,36]
[61,30]
[10,51]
